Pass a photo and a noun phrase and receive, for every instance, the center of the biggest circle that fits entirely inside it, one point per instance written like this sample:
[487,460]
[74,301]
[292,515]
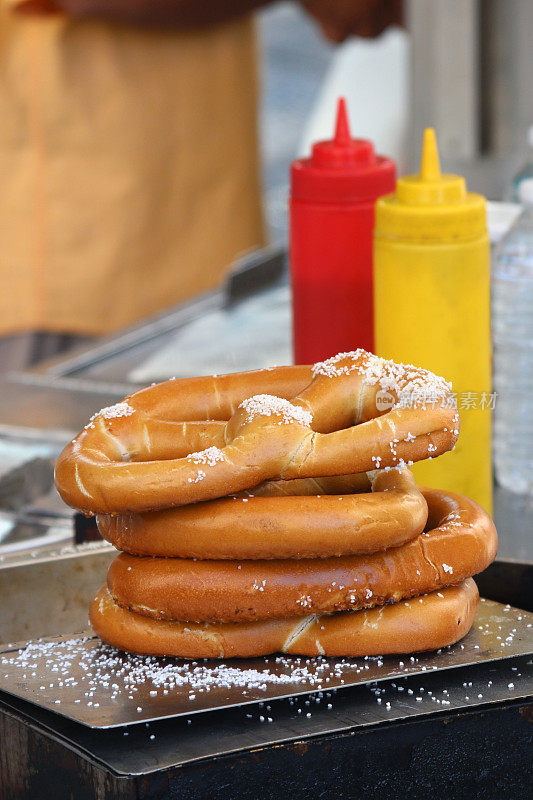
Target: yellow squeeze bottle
[432,307]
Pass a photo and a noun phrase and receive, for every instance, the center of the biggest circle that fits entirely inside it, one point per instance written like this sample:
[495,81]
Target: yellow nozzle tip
[429,163]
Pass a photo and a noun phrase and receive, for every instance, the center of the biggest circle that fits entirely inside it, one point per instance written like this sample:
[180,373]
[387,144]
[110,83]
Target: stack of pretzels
[274,511]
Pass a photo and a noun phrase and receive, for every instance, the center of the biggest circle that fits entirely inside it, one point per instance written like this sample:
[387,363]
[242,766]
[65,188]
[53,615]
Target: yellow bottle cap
[431,205]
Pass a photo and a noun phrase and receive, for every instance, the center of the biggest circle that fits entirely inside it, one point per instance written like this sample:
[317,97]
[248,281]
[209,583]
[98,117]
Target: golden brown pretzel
[305,522]
[141,454]
[461,541]
[424,623]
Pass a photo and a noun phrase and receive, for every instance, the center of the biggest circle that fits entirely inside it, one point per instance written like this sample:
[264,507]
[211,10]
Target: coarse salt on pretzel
[137,458]
[459,542]
[288,519]
[427,623]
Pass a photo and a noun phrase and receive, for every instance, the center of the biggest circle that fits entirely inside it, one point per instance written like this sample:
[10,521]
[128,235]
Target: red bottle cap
[342,169]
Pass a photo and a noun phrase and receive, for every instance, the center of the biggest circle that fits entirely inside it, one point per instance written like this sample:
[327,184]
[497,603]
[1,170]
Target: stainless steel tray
[178,742]
[53,401]
[85,681]
[31,512]
[258,281]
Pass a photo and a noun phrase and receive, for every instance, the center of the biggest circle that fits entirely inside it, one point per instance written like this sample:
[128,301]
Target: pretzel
[460,541]
[426,623]
[306,521]
[168,445]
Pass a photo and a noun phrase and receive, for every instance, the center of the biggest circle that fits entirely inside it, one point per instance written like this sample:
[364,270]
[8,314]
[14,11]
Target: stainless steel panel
[445,74]
[471,70]
[508,67]
[47,590]
[33,409]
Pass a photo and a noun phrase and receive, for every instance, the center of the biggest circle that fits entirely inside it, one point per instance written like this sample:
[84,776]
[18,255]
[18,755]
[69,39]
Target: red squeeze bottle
[333,194]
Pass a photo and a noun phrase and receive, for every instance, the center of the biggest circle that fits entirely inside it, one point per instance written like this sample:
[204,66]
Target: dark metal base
[478,754]
[431,758]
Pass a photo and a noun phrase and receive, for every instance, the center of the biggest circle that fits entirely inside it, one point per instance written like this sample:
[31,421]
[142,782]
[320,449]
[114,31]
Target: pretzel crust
[302,520]
[460,541]
[168,445]
[425,623]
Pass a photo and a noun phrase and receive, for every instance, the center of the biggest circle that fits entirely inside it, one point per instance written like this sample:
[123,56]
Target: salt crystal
[122,409]
[412,385]
[209,456]
[268,405]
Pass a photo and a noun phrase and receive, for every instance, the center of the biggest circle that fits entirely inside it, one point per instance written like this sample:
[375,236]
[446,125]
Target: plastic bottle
[432,307]
[525,173]
[512,334]
[333,196]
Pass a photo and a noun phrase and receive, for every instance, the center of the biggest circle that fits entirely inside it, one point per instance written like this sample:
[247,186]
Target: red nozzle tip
[342,126]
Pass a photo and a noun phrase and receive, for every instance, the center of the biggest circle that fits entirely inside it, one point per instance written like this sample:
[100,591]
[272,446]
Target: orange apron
[128,168]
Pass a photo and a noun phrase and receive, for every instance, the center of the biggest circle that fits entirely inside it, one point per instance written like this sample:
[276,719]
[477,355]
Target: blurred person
[128,152]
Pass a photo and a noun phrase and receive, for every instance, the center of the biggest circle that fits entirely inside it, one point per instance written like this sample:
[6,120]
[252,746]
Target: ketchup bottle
[333,194]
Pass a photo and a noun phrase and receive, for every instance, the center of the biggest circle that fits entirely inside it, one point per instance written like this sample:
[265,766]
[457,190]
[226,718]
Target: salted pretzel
[426,623]
[306,518]
[168,445]
[459,542]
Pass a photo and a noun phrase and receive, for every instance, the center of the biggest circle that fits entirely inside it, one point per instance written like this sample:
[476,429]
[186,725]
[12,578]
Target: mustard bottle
[432,307]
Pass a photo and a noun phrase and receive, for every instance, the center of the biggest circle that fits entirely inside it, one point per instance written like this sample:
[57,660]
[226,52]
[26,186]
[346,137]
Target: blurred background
[462,67]
[144,147]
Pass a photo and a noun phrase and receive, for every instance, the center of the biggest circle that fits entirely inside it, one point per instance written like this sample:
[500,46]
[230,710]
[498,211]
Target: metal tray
[251,289]
[31,512]
[469,694]
[53,401]
[98,686]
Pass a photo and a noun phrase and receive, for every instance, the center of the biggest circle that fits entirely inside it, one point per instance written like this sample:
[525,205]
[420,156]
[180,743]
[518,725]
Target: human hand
[340,19]
[36,7]
[149,13]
